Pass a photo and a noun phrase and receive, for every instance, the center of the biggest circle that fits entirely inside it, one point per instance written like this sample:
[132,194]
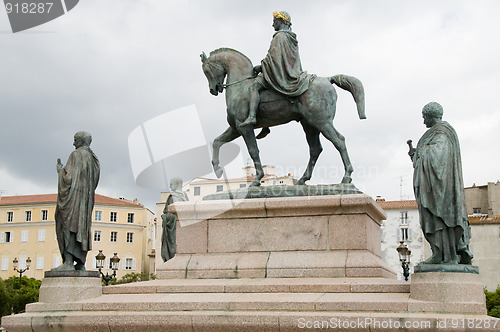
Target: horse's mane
[227,49]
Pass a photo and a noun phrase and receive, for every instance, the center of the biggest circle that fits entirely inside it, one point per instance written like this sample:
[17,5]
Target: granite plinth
[458,268]
[59,289]
[315,236]
[286,191]
[447,292]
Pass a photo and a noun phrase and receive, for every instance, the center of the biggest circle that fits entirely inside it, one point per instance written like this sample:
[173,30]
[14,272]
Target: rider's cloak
[281,67]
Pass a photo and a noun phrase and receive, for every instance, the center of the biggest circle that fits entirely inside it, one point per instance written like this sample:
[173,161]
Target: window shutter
[39,263]
[133,264]
[2,237]
[400,236]
[410,236]
[57,261]
[41,235]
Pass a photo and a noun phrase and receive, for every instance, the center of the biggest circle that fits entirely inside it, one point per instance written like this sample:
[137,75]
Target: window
[130,237]
[45,215]
[41,235]
[24,236]
[405,234]
[243,185]
[404,218]
[97,236]
[28,215]
[197,191]
[113,216]
[5,264]
[39,263]
[57,261]
[476,210]
[6,237]
[98,215]
[220,187]
[130,218]
[129,264]
[114,236]
[10,216]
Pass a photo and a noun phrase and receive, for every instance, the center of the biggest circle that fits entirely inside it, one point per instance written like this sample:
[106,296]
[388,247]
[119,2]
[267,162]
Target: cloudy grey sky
[108,66]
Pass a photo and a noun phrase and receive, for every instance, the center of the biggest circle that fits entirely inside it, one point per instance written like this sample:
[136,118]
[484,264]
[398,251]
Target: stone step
[305,302]
[263,285]
[230,321]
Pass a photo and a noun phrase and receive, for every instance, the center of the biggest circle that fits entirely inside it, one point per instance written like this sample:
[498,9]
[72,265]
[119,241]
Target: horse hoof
[255,183]
[218,172]
[346,179]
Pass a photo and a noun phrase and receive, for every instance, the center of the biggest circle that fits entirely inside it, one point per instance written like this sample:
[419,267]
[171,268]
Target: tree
[493,302]
[5,306]
[21,292]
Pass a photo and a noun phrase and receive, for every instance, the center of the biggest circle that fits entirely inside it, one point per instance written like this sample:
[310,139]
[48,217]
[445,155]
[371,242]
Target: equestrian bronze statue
[280,94]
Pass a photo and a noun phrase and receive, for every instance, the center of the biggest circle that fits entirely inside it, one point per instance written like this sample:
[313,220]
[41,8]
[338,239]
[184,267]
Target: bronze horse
[314,109]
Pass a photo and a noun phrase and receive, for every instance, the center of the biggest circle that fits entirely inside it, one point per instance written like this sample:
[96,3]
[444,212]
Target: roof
[396,205]
[484,219]
[52,198]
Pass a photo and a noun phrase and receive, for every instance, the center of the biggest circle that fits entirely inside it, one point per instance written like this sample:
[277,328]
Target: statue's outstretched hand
[411,153]
[256,70]
[59,165]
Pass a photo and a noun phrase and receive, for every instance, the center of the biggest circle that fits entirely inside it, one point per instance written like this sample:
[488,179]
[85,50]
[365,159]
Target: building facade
[197,188]
[27,229]
[483,200]
[402,224]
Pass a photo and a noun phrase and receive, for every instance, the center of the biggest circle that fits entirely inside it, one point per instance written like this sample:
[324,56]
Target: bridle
[223,71]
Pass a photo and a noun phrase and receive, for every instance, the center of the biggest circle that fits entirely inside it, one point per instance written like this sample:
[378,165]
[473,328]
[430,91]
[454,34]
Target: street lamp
[21,271]
[404,257]
[100,258]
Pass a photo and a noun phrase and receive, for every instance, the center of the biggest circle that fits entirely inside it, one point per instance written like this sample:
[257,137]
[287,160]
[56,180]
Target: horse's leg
[338,141]
[251,143]
[229,135]
[312,136]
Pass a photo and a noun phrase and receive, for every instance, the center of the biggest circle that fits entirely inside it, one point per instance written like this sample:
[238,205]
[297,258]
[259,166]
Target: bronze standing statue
[75,201]
[439,190]
[169,221]
[280,94]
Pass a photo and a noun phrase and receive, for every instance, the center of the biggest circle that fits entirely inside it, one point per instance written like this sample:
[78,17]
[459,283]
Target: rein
[225,86]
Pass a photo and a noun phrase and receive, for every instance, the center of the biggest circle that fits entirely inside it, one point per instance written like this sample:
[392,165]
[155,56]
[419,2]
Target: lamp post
[115,260]
[404,257]
[21,271]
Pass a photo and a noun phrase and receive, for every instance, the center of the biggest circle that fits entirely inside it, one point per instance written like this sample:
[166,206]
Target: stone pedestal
[452,292]
[70,286]
[311,236]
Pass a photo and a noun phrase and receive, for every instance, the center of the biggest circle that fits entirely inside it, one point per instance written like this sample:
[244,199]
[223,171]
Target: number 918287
[29,8]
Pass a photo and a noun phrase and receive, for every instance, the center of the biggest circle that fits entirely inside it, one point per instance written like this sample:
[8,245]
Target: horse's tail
[355,87]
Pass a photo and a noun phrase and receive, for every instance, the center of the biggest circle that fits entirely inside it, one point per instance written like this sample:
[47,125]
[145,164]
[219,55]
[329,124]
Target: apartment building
[27,229]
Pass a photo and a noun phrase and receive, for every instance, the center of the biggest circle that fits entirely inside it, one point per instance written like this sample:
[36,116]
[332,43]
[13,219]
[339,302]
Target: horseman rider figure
[281,68]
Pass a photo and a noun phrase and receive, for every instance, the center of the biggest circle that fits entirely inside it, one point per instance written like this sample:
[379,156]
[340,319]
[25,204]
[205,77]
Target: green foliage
[15,293]
[132,277]
[493,302]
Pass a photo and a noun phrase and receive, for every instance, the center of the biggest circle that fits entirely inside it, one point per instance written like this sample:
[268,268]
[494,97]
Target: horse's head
[215,74]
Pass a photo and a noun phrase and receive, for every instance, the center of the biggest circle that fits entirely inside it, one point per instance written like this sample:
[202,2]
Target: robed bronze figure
[75,200]
[439,190]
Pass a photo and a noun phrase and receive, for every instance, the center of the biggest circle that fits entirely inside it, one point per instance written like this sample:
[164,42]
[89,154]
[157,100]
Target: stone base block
[313,236]
[281,264]
[447,292]
[70,289]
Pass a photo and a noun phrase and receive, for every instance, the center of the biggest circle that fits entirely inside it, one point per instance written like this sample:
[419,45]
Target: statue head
[432,113]
[176,184]
[283,18]
[82,138]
